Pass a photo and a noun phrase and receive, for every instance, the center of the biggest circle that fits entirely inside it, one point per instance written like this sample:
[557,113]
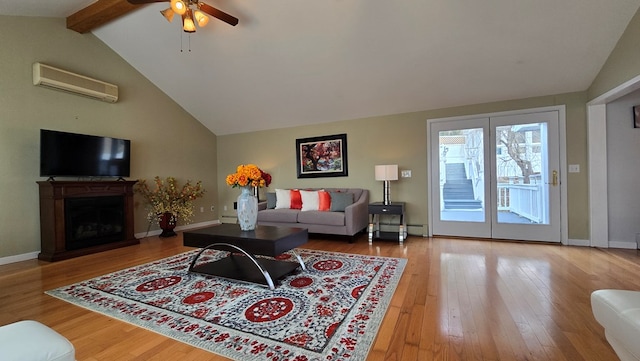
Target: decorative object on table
[324,156]
[332,311]
[167,202]
[248,177]
[267,180]
[386,173]
[247,209]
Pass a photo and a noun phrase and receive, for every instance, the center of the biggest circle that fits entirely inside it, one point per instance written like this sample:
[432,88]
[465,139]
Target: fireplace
[91,221]
[79,218]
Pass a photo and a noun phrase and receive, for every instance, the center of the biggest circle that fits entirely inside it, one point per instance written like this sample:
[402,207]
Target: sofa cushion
[324,201]
[322,218]
[278,215]
[296,199]
[283,199]
[310,200]
[271,200]
[357,192]
[340,201]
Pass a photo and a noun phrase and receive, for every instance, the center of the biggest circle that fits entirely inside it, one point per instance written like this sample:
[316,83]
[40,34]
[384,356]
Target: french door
[496,177]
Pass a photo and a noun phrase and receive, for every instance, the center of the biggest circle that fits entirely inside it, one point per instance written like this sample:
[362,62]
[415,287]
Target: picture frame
[636,116]
[324,156]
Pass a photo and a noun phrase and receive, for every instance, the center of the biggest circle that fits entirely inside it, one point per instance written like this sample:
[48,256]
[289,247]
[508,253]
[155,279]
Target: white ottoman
[618,311]
[33,341]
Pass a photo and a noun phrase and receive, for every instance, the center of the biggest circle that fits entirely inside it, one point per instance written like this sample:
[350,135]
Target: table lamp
[386,173]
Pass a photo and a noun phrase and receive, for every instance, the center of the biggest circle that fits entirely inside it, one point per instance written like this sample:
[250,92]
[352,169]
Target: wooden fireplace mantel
[52,215]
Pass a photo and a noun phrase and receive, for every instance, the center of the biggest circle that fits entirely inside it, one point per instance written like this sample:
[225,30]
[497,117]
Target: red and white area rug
[332,311]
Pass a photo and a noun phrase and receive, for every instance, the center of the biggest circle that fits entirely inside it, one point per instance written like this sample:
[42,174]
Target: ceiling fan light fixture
[168,14]
[179,7]
[201,18]
[191,12]
[187,22]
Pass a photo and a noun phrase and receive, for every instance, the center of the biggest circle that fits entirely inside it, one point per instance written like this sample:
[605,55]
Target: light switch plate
[405,174]
[574,168]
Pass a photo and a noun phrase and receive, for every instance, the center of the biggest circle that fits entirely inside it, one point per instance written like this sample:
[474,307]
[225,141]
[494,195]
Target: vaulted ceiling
[302,62]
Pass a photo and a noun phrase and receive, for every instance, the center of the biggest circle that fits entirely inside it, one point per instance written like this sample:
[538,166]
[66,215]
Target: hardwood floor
[457,300]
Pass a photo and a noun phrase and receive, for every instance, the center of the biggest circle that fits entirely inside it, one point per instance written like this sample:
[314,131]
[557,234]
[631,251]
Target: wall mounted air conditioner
[50,77]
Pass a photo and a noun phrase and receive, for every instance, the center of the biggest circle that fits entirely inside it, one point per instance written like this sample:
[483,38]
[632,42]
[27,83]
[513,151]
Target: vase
[247,207]
[167,222]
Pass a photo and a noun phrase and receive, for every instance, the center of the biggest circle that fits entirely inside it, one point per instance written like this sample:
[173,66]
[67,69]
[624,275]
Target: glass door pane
[525,168]
[461,168]
[459,190]
[521,156]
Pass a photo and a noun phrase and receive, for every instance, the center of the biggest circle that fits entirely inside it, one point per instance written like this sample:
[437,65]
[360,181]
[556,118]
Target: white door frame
[597,146]
[562,134]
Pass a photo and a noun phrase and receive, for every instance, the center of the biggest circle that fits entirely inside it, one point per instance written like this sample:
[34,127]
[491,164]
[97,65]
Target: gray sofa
[354,219]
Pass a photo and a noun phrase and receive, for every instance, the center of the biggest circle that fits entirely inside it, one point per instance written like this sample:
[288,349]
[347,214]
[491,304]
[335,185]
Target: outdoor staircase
[457,192]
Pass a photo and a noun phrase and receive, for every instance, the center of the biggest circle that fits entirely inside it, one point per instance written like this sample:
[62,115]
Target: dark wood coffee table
[264,240]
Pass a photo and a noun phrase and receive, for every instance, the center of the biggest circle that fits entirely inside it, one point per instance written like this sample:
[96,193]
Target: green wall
[399,139]
[622,64]
[165,140]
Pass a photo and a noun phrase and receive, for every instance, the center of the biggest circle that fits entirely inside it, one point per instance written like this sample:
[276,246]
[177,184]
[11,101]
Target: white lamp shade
[387,172]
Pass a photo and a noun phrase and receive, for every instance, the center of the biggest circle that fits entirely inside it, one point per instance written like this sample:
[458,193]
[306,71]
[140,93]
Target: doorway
[498,175]
[598,184]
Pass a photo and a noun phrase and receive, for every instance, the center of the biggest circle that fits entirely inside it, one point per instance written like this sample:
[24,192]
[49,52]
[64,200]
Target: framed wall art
[636,116]
[324,156]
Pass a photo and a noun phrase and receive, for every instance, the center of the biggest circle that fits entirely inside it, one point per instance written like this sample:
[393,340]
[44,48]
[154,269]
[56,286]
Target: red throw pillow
[325,201]
[296,199]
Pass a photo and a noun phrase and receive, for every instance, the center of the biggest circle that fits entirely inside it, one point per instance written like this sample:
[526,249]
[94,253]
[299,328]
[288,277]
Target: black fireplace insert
[92,221]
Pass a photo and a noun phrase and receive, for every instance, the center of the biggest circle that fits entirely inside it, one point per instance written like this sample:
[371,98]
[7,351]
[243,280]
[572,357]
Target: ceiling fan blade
[218,14]
[138,2]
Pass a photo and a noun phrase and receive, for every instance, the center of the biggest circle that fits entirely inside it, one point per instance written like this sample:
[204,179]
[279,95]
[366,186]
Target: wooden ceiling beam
[97,14]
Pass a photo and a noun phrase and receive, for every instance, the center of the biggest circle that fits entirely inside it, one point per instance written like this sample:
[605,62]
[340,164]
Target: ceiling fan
[191,10]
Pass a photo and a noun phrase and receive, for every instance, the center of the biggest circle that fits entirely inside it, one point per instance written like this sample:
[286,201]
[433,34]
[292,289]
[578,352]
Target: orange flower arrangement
[248,175]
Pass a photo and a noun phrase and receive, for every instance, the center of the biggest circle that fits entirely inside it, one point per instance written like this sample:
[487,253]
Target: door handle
[555,178]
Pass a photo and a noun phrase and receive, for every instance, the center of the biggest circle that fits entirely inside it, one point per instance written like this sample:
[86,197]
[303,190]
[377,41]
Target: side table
[378,209]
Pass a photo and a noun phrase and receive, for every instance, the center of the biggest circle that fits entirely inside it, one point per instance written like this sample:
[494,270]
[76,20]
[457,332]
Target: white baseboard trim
[623,245]
[578,242]
[186,227]
[612,244]
[19,258]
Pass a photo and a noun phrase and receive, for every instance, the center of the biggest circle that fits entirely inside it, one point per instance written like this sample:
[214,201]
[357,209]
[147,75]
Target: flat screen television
[65,154]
